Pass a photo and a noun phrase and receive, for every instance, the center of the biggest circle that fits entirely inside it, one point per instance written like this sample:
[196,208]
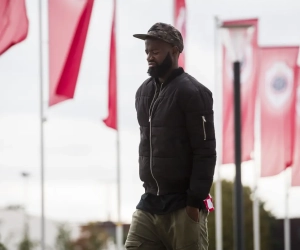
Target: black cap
[164,32]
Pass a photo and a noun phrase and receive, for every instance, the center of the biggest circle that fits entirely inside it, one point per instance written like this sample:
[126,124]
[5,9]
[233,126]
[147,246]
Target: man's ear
[175,50]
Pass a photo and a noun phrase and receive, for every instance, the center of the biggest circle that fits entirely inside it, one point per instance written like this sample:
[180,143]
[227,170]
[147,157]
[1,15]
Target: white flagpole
[287,226]
[119,222]
[41,127]
[256,171]
[287,239]
[119,231]
[218,182]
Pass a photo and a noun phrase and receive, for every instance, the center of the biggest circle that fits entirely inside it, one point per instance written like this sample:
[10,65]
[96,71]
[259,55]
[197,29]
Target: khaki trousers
[174,231]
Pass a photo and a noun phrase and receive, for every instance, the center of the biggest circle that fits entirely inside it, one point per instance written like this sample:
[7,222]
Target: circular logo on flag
[246,64]
[279,84]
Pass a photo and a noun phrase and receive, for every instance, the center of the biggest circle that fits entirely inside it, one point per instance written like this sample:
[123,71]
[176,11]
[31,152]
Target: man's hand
[193,213]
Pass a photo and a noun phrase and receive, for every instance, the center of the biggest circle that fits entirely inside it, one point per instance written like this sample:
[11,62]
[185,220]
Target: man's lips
[151,64]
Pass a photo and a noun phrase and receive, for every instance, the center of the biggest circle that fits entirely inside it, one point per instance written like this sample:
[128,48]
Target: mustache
[152,62]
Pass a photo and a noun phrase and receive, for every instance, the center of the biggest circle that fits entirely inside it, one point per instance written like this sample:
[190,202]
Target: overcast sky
[80,158]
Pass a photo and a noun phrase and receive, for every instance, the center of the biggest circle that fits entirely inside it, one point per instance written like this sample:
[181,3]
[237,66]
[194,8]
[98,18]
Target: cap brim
[144,36]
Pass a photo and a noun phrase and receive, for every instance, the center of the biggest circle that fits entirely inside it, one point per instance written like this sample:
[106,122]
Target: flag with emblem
[180,24]
[296,162]
[249,74]
[277,96]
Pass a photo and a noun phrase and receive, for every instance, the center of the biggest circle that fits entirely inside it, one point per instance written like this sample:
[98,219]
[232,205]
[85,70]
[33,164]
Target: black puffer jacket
[177,151]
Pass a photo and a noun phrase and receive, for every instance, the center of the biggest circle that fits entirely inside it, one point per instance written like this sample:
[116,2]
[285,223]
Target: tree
[267,220]
[93,237]
[63,238]
[26,243]
[2,247]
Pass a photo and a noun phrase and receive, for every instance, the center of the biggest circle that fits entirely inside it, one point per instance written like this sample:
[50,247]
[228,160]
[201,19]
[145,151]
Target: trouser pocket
[190,234]
[203,230]
[142,233]
[130,244]
[186,231]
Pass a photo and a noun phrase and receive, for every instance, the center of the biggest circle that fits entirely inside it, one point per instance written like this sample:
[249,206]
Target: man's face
[159,57]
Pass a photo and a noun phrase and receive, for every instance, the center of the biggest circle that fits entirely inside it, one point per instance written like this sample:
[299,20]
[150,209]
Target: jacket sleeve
[200,126]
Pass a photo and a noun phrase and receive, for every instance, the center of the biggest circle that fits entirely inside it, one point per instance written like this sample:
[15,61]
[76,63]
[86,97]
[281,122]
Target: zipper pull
[150,118]
[204,131]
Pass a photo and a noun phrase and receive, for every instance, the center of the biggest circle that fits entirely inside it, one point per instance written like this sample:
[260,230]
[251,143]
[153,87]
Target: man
[177,153]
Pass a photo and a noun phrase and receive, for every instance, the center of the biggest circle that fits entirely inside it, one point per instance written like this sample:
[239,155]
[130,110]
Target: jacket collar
[175,73]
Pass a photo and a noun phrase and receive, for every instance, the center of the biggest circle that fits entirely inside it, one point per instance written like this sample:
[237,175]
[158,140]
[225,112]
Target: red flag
[180,24]
[13,23]
[3,16]
[296,162]
[277,97]
[68,27]
[111,120]
[248,95]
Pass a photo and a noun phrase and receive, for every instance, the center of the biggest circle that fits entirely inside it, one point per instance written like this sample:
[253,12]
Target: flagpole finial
[218,22]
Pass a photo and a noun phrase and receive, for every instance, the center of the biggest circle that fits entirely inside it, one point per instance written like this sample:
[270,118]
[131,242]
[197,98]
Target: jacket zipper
[150,116]
[204,131]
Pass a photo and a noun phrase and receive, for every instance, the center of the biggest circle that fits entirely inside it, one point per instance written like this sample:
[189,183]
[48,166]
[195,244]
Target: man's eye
[155,52]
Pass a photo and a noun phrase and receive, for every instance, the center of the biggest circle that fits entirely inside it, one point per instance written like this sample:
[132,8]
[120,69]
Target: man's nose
[149,57]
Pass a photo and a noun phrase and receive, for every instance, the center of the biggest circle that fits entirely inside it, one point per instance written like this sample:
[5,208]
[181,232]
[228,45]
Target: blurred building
[12,226]
[99,235]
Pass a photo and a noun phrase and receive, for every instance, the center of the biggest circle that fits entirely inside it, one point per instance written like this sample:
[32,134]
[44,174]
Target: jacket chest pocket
[142,104]
[167,113]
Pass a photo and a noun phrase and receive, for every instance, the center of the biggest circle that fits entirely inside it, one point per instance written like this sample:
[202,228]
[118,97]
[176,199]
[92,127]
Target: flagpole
[41,128]
[287,239]
[119,231]
[218,182]
[119,223]
[256,171]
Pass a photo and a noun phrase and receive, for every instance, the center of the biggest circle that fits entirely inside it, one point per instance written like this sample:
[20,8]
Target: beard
[162,69]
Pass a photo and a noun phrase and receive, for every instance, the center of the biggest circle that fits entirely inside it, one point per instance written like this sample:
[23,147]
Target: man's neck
[163,79]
